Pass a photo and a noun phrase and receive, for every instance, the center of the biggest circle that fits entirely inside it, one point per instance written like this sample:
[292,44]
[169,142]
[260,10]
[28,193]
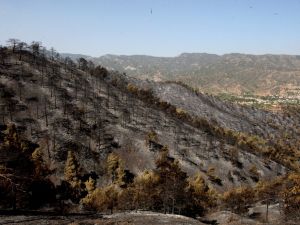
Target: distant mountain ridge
[230,73]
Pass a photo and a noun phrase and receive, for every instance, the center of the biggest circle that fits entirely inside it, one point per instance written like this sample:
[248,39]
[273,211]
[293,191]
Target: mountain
[90,115]
[95,116]
[229,73]
[74,57]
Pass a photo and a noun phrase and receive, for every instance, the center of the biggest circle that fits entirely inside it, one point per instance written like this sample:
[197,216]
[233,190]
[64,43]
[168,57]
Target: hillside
[88,114]
[230,73]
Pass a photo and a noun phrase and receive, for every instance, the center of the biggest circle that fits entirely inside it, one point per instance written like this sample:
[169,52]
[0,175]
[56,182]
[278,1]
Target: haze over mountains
[230,73]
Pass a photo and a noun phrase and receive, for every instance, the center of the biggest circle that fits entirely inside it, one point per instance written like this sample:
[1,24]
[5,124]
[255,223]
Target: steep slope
[279,130]
[63,108]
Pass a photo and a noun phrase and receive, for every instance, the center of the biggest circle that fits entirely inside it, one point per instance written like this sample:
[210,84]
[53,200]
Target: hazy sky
[97,27]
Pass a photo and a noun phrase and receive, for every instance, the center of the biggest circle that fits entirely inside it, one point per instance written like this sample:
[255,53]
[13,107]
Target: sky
[155,27]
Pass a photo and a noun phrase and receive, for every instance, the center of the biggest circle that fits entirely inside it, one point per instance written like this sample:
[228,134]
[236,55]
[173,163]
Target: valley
[234,74]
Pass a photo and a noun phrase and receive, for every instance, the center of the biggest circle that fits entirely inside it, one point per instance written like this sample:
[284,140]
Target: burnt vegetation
[75,136]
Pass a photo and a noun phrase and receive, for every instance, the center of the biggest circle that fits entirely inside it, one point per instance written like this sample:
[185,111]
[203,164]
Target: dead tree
[21,46]
[13,43]
[47,139]
[20,87]
[35,48]
[3,112]
[45,111]
[11,106]
[52,52]
[3,55]
[108,94]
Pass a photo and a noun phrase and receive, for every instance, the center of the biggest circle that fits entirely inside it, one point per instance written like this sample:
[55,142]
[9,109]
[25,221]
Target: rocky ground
[149,218]
[133,218]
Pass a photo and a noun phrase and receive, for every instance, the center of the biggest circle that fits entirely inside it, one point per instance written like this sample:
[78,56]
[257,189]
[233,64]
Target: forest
[33,156]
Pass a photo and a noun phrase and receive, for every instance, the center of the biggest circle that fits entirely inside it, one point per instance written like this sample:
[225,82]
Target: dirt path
[130,218]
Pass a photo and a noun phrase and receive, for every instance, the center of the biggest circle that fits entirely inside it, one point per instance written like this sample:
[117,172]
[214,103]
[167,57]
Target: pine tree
[291,195]
[254,173]
[113,163]
[201,196]
[37,158]
[102,199]
[238,199]
[145,190]
[121,176]
[90,186]
[269,191]
[72,170]
[12,140]
[172,183]
[115,168]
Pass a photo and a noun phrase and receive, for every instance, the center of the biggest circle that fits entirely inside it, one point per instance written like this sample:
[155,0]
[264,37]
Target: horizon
[155,28]
[174,56]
